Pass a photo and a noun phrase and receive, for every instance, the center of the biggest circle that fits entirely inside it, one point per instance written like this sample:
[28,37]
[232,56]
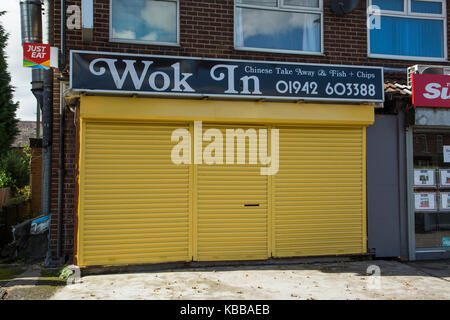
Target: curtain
[311,32]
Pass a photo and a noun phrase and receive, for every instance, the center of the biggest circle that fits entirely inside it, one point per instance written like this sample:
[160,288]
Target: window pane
[426,7]
[144,20]
[302,3]
[408,37]
[393,5]
[278,30]
[267,3]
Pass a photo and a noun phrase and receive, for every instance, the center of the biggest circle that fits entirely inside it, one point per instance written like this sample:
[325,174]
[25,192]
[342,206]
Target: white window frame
[280,7]
[406,13]
[148,42]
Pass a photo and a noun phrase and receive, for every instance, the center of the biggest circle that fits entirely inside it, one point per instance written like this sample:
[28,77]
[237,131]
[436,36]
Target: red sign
[36,55]
[431,90]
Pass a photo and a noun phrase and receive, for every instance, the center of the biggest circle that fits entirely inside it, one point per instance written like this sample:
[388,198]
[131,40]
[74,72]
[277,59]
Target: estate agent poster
[446,151]
[425,201]
[444,175]
[424,178]
[445,201]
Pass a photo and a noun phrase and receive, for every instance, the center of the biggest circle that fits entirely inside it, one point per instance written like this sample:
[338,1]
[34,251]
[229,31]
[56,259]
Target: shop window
[431,191]
[144,21]
[409,29]
[293,26]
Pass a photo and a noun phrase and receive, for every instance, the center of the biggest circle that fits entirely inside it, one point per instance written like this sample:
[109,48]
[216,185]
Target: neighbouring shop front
[164,179]
[431,163]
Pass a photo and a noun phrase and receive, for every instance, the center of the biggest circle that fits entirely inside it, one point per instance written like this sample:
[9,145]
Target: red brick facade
[206,30]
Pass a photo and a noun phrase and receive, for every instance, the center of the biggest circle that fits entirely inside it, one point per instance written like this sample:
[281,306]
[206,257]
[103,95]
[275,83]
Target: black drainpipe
[60,170]
[61,132]
[63,35]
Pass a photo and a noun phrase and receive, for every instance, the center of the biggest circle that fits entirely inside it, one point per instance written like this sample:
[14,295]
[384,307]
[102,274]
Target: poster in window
[425,201]
[424,178]
[444,177]
[446,152]
[445,201]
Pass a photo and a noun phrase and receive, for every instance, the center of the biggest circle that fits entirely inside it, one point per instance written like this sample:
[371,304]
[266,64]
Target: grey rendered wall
[386,187]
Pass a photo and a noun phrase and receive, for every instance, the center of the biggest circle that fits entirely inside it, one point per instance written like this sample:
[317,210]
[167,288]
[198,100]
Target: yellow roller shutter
[232,210]
[134,202]
[318,193]
[136,206]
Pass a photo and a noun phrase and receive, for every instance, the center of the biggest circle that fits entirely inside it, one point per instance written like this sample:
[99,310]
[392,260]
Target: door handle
[251,205]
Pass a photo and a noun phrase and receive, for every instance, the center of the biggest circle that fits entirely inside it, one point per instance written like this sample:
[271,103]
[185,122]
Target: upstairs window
[292,26]
[409,29]
[144,21]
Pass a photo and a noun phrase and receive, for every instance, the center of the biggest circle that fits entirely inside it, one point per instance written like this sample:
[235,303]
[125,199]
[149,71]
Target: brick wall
[206,30]
[70,174]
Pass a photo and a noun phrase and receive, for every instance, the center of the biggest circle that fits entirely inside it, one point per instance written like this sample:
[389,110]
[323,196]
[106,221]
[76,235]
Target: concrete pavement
[339,280]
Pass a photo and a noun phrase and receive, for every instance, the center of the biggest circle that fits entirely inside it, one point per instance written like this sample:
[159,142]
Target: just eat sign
[431,90]
[36,55]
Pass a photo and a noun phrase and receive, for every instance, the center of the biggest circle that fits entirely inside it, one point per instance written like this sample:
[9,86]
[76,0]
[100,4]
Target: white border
[223,95]
[280,7]
[405,14]
[148,42]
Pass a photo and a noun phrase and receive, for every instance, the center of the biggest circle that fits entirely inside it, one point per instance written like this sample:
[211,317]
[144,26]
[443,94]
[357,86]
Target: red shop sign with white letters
[431,90]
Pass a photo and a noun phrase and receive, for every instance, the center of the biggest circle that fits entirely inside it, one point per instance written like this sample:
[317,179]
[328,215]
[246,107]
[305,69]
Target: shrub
[5,179]
[65,273]
[15,170]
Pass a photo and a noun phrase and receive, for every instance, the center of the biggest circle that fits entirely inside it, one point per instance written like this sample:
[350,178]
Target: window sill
[407,58]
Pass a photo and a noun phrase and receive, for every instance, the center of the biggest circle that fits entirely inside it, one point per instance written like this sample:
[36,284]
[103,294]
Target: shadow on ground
[437,268]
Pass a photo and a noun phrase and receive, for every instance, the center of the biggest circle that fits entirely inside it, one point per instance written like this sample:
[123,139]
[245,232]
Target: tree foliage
[8,121]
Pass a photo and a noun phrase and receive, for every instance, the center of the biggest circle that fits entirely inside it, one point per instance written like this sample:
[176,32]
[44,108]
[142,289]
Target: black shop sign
[199,77]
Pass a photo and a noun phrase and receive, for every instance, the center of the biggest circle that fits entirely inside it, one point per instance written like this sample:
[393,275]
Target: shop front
[431,166]
[237,167]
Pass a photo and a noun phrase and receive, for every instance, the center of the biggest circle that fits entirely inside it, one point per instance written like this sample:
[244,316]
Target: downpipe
[60,170]
[63,36]
[61,173]
[47,123]
[47,140]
